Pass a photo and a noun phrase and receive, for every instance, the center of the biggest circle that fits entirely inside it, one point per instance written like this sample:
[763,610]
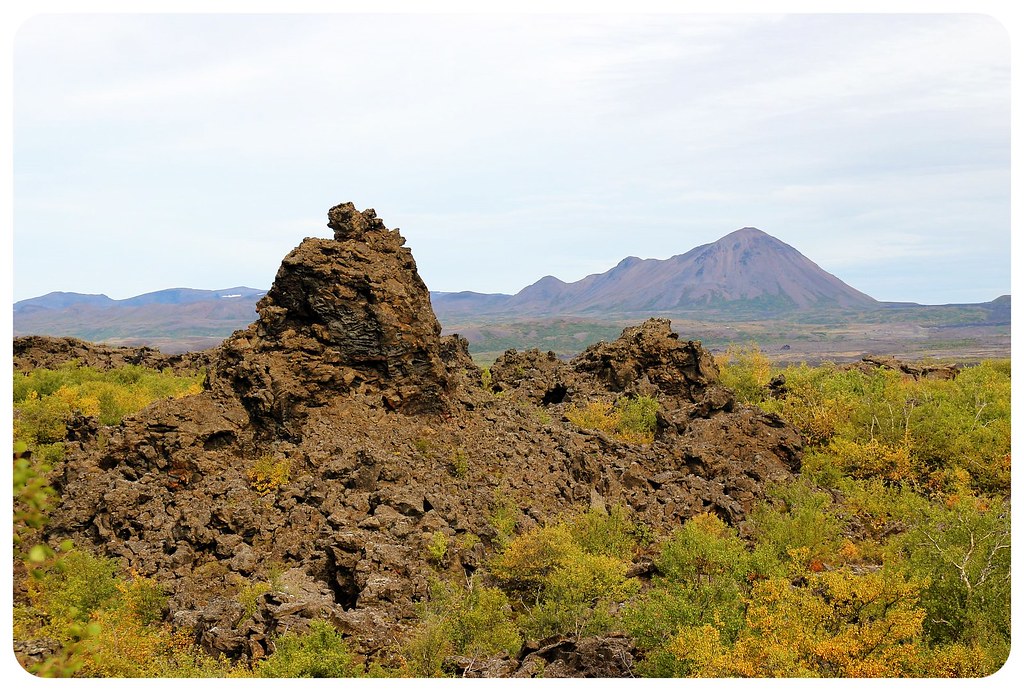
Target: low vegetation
[887,556]
[268,473]
[45,400]
[628,419]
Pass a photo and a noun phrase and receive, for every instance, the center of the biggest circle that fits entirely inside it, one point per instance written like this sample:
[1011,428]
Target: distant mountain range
[173,320]
[171,296]
[747,274]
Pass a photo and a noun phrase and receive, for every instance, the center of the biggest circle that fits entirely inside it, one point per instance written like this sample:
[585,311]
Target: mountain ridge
[745,275]
[167,296]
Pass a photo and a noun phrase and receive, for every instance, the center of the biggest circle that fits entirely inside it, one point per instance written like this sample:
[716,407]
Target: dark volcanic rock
[591,657]
[345,314]
[539,377]
[907,369]
[559,657]
[383,437]
[648,359]
[33,352]
[651,355]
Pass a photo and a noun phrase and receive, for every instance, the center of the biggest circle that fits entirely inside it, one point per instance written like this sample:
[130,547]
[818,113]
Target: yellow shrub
[745,370]
[268,473]
[530,557]
[249,595]
[595,415]
[959,660]
[875,459]
[629,419]
[437,547]
[838,625]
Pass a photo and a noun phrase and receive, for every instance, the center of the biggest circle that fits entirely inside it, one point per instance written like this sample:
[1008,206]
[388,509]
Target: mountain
[171,296]
[188,296]
[746,269]
[59,300]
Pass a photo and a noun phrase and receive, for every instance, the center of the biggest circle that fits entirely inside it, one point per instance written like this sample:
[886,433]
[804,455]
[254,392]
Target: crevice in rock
[342,582]
[556,394]
[219,440]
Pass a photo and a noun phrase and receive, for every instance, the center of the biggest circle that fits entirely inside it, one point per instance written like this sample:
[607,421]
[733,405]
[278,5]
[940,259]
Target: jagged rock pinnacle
[348,223]
[344,314]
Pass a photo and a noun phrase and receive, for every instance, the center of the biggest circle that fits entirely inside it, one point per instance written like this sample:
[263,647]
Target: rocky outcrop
[33,352]
[651,356]
[648,359]
[558,657]
[344,314]
[908,369]
[339,434]
[708,454]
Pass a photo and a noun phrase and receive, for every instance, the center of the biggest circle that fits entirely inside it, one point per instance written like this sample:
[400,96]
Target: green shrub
[702,551]
[818,400]
[108,625]
[797,525]
[437,547]
[526,562]
[965,423]
[426,648]
[706,571]
[611,533]
[637,418]
[884,423]
[475,621]
[46,399]
[569,575]
[75,586]
[144,598]
[479,620]
[963,547]
[746,371]
[33,495]
[578,596]
[249,594]
[629,419]
[504,516]
[458,463]
[319,653]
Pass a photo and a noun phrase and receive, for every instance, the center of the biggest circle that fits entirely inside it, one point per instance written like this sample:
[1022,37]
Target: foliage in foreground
[888,556]
[106,623]
[45,400]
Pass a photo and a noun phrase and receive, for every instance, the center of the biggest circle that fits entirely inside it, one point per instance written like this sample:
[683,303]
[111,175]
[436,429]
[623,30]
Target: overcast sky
[164,151]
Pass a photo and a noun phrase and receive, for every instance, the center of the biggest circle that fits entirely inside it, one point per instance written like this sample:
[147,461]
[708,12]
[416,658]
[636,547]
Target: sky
[195,150]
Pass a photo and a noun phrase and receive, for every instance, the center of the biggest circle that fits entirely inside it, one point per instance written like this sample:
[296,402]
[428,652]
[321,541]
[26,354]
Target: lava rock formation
[388,437]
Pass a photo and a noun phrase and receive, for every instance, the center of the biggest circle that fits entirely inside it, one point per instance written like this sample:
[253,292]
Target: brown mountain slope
[746,266]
